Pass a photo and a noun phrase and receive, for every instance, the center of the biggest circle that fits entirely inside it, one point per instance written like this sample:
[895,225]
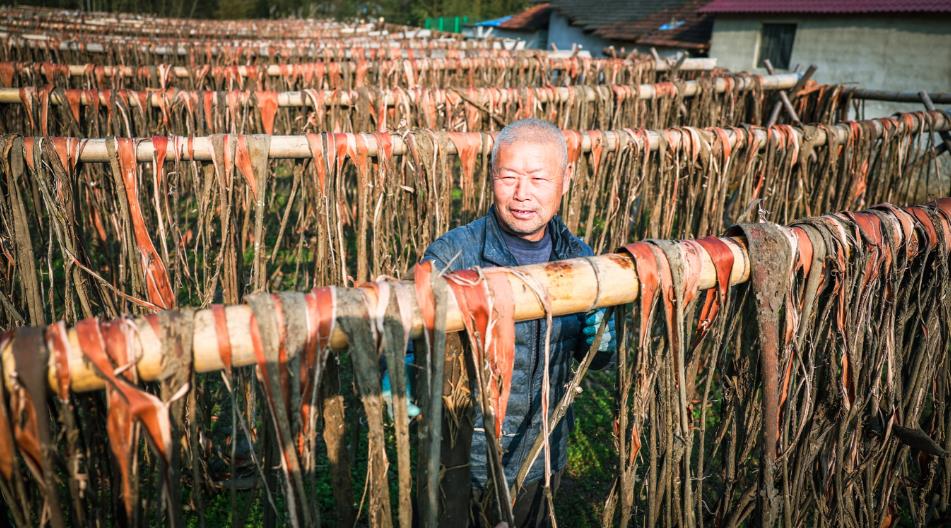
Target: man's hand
[411,409]
[591,323]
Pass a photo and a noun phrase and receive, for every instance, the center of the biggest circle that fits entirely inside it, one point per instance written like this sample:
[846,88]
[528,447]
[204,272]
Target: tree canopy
[411,12]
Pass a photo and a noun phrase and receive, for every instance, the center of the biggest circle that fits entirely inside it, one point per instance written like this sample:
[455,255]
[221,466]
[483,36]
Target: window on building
[776,44]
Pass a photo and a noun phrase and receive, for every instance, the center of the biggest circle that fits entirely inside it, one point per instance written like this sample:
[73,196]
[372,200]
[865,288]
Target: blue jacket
[480,243]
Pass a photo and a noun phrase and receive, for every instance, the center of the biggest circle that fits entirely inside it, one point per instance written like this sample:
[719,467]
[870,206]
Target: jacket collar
[496,252]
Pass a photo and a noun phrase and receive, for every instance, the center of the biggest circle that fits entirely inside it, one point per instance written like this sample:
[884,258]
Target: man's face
[528,184]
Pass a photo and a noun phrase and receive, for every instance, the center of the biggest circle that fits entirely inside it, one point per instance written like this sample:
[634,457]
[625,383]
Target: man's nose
[521,190]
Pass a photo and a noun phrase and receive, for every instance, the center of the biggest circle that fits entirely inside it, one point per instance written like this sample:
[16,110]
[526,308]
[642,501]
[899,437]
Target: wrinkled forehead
[530,156]
[534,147]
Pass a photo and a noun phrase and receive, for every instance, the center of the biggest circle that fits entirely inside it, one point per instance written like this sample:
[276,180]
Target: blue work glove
[411,409]
[591,323]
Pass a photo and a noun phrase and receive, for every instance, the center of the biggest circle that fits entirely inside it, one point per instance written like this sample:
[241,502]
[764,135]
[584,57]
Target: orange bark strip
[722,258]
[488,313]
[158,286]
[267,101]
[222,335]
[649,281]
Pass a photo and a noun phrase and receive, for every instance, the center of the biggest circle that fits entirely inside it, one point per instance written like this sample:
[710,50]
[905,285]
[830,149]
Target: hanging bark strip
[432,292]
[492,68]
[125,170]
[280,324]
[485,300]
[773,251]
[59,194]
[105,345]
[649,278]
[846,416]
[715,299]
[175,331]
[353,318]
[227,264]
[251,157]
[12,157]
[321,310]
[31,427]
[389,313]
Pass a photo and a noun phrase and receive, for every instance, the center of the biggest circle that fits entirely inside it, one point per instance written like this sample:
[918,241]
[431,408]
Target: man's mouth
[522,214]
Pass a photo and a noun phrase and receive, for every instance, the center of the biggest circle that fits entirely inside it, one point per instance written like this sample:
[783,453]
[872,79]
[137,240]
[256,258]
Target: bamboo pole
[482,95]
[393,40]
[897,97]
[277,70]
[297,147]
[126,22]
[574,286]
[124,29]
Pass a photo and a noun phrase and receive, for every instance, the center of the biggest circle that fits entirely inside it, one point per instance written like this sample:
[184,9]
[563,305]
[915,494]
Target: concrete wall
[532,39]
[526,39]
[562,34]
[901,53]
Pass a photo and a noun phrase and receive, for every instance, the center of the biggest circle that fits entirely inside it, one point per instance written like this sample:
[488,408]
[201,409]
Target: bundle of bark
[813,395]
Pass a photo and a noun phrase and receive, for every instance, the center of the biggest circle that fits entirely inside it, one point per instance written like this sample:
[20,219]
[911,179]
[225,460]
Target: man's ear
[566,180]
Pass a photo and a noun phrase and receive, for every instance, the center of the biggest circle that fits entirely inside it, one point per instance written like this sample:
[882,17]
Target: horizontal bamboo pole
[109,35]
[278,70]
[897,97]
[573,286]
[481,95]
[111,28]
[421,37]
[296,147]
[127,23]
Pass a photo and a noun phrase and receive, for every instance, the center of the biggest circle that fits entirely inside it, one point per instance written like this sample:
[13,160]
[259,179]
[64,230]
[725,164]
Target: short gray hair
[531,129]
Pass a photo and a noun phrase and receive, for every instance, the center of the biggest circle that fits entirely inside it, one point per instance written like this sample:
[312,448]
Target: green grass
[591,456]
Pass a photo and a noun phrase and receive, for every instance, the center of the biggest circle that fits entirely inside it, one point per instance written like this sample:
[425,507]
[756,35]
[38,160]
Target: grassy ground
[591,456]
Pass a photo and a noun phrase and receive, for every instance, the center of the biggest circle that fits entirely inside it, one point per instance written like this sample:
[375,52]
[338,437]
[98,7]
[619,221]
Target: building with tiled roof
[669,26]
[826,7]
[635,24]
[534,18]
[529,26]
[896,45]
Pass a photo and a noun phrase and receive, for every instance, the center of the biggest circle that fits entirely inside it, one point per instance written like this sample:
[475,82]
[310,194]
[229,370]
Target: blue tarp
[495,22]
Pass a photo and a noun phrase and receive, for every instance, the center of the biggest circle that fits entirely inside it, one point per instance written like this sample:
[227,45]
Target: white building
[895,45]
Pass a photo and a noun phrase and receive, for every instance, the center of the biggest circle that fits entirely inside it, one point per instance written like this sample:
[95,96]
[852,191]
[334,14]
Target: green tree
[411,12]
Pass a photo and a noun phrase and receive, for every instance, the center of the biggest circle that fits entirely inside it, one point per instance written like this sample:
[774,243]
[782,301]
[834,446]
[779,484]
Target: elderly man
[530,174]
